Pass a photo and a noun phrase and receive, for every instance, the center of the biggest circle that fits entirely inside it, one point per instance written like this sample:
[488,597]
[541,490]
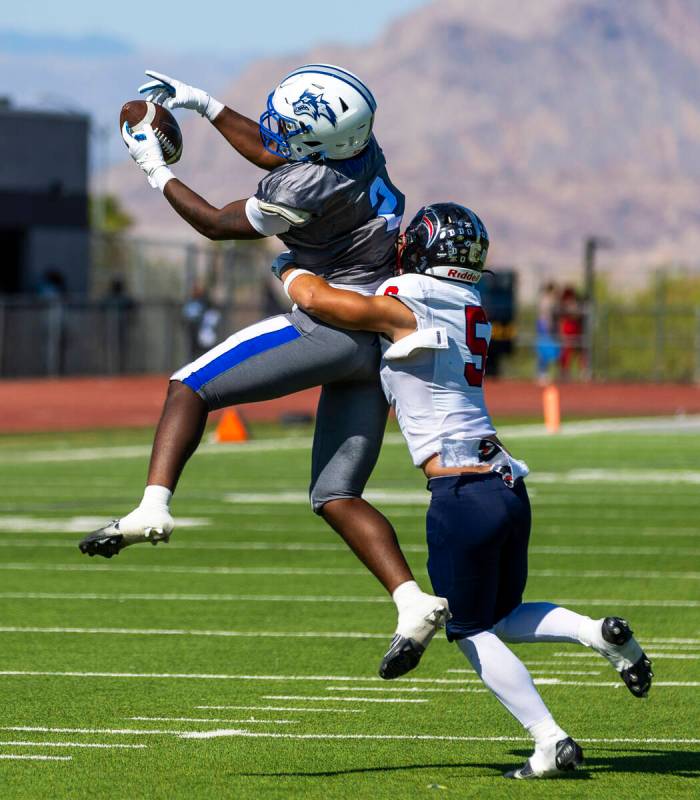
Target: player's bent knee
[179,392]
[330,505]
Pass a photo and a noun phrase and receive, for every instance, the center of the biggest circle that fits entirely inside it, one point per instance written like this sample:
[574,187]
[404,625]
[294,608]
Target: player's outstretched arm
[347,309]
[242,133]
[229,222]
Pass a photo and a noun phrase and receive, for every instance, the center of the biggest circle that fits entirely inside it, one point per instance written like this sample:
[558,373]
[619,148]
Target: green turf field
[240,661]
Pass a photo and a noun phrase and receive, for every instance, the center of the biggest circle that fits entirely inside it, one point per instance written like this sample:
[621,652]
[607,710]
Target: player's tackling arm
[347,309]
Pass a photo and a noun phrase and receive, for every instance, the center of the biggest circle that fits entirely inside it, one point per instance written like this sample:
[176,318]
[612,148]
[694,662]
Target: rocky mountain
[554,119]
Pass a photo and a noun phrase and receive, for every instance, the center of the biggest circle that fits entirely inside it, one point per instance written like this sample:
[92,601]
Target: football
[164,124]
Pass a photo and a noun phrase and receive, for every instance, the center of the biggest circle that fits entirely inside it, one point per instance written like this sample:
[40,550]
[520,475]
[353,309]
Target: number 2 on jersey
[379,191]
[478,345]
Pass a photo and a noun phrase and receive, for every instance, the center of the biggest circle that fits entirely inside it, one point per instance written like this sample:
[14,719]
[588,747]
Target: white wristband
[293,276]
[160,177]
[213,109]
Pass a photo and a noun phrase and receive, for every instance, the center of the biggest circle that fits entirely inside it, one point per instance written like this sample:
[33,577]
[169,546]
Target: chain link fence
[135,320]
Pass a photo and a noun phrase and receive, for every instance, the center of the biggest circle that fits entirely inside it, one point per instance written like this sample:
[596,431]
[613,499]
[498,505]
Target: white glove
[171,93]
[145,149]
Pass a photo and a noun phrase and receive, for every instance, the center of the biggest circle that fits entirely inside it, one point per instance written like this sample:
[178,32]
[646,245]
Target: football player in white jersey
[435,341]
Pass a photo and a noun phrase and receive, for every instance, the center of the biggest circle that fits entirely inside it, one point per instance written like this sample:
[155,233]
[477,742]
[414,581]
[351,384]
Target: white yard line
[195,632]
[630,602]
[318,547]
[205,598]
[440,682]
[284,708]
[109,731]
[651,425]
[13,629]
[11,757]
[539,681]
[563,550]
[324,678]
[31,524]
[545,672]
[206,719]
[602,573]
[308,598]
[316,698]
[181,570]
[420,737]
[144,450]
[672,640]
[93,745]
[401,497]
[192,570]
[607,532]
[640,477]
[650,652]
[192,676]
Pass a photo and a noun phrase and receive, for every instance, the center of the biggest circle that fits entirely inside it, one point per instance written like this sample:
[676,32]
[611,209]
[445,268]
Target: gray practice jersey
[351,219]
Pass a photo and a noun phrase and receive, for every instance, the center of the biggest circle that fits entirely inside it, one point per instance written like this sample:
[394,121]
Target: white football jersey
[433,378]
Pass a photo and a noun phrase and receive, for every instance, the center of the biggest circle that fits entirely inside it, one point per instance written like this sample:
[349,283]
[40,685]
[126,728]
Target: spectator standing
[570,326]
[202,320]
[547,346]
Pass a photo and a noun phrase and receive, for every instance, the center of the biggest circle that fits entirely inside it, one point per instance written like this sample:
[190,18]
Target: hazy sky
[217,25]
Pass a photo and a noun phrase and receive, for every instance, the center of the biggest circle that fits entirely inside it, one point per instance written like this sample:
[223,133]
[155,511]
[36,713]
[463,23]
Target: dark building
[43,202]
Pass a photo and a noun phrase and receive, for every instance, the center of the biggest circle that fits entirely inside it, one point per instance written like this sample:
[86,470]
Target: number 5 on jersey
[478,335]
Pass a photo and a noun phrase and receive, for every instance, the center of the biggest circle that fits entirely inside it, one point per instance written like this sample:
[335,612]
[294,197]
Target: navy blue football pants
[478,532]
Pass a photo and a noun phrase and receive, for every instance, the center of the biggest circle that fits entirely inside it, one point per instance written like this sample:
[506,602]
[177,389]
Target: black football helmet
[444,240]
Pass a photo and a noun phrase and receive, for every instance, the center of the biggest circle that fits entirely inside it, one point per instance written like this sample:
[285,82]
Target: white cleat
[141,525]
[416,628]
[551,762]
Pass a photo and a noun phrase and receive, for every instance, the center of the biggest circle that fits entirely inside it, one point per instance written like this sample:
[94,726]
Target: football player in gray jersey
[328,196]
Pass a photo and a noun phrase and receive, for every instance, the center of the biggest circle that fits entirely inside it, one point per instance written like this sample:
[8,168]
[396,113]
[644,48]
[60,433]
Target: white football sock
[156,497]
[546,622]
[506,676]
[546,734]
[406,595]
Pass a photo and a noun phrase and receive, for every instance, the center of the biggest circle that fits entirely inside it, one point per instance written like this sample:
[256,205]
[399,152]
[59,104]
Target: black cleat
[402,656]
[109,541]
[105,542]
[418,628]
[567,756]
[625,654]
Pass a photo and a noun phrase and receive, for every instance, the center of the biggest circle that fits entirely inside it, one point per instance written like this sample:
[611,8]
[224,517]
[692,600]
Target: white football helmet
[318,111]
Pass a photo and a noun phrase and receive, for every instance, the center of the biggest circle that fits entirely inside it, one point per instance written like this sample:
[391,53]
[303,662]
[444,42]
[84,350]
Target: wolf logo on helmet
[331,117]
[315,106]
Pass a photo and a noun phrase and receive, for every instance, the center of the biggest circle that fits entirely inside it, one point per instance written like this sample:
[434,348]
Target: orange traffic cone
[231,428]
[552,413]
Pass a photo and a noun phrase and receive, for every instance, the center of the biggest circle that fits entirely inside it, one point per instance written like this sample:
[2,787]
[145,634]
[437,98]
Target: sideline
[649,425]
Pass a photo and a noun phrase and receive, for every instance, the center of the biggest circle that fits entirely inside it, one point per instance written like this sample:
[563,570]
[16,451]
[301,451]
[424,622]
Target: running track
[86,403]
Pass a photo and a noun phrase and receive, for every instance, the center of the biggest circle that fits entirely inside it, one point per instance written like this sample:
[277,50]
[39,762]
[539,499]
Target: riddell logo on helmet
[464,275]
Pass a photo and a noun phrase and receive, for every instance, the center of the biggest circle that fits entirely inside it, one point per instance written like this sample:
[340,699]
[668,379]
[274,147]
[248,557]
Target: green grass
[594,539]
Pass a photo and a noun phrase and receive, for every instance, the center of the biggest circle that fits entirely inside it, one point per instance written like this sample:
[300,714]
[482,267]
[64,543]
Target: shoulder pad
[294,216]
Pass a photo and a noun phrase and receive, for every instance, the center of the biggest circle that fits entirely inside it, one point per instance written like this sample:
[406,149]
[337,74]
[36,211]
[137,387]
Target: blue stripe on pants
[239,353]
